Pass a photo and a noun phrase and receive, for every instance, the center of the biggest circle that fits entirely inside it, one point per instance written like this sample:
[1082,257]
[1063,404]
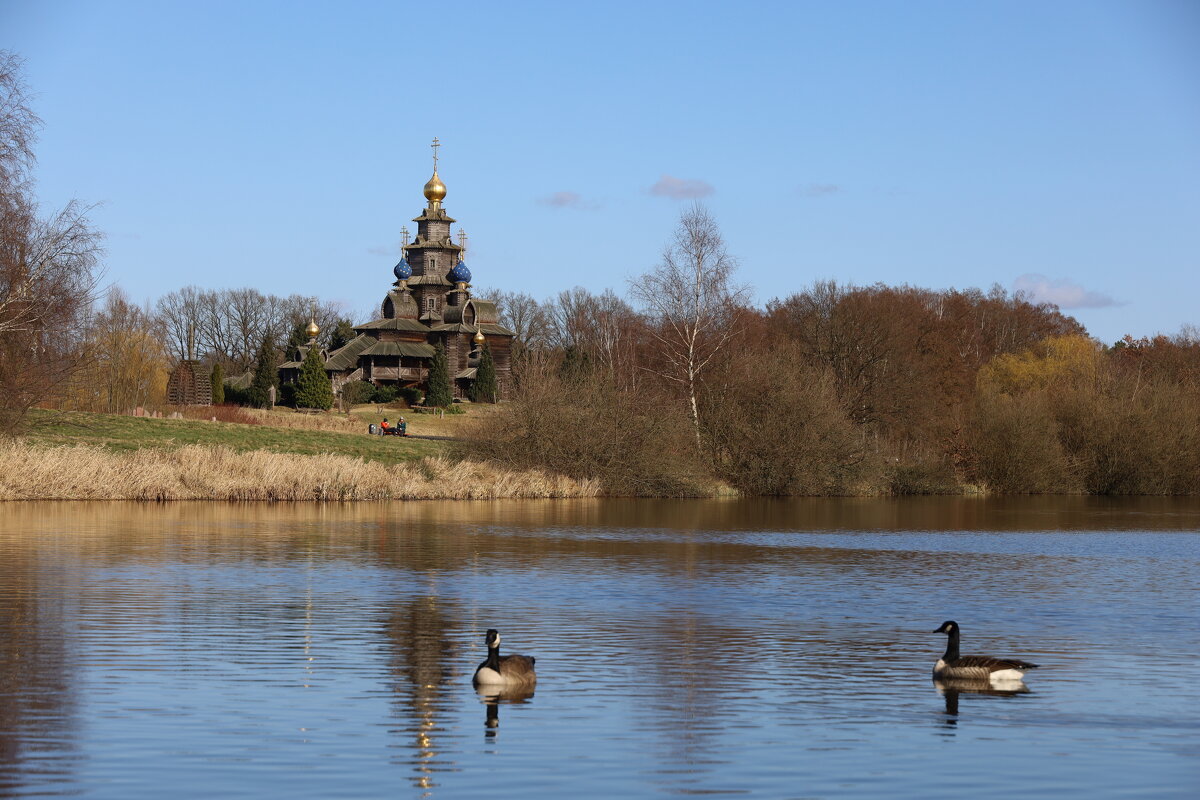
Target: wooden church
[429,302]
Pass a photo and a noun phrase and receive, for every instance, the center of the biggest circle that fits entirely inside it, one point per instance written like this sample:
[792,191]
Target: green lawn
[121,433]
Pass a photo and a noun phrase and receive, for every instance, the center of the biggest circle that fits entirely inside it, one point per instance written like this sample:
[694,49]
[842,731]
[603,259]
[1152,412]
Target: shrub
[237,396]
[287,395]
[383,394]
[412,395]
[633,447]
[1016,447]
[921,477]
[357,392]
[775,427]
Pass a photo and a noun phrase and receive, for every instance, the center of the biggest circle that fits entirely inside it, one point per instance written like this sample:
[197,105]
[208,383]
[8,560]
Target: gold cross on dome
[404,238]
[462,242]
[436,144]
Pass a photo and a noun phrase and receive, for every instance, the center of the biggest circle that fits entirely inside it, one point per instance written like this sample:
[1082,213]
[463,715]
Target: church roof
[428,280]
[414,349]
[457,327]
[393,324]
[242,381]
[346,357]
[438,214]
[485,311]
[301,352]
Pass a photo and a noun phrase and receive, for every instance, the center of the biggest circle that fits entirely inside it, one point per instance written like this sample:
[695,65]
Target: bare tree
[49,266]
[691,302]
[524,316]
[179,314]
[18,125]
[249,319]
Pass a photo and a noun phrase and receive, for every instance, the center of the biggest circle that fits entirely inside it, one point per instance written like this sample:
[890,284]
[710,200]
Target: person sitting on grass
[403,427]
[384,428]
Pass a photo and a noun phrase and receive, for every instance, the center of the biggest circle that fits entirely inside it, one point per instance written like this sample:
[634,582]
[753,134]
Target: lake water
[762,648]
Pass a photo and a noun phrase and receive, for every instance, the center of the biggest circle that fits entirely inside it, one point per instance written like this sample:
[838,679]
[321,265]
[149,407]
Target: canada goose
[504,672]
[993,670]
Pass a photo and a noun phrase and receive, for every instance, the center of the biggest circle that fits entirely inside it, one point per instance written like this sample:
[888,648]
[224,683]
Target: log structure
[429,302]
[189,385]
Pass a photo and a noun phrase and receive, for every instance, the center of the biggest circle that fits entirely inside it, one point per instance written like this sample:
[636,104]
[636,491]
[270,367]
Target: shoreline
[219,473]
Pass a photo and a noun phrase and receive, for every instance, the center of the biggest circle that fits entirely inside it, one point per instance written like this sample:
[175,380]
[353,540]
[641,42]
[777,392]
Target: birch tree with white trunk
[691,303]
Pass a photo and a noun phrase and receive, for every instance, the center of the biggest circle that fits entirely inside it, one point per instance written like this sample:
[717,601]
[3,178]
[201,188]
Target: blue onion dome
[460,273]
[402,271]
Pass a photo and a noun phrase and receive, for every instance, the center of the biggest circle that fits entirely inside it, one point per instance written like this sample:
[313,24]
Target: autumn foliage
[862,390]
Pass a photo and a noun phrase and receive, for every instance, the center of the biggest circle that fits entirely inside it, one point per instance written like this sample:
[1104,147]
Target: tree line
[837,389]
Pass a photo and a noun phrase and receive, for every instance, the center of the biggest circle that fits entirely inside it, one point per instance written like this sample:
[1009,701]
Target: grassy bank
[273,455]
[279,432]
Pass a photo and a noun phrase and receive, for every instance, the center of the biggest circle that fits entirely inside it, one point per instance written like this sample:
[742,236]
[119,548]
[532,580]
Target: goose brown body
[510,672]
[953,665]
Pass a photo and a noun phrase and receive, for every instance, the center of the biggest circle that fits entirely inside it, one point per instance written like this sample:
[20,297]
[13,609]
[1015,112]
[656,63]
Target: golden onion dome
[479,337]
[435,190]
[312,330]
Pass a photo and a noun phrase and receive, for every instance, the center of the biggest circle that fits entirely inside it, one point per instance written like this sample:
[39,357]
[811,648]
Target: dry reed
[197,472]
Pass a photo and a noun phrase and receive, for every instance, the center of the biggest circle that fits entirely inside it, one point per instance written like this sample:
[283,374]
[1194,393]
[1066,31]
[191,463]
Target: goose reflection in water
[951,688]
[491,703]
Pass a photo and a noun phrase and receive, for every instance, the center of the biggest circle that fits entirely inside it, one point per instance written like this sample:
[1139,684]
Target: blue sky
[1047,146]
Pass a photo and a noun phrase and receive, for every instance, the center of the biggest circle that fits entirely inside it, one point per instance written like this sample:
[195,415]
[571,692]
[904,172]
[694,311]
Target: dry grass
[360,417]
[221,413]
[198,472]
[288,419]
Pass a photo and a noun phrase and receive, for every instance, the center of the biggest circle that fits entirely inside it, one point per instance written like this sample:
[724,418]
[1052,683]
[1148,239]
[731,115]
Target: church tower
[433,254]
[429,304]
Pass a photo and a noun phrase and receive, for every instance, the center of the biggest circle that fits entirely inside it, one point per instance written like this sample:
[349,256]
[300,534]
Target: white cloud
[567,200]
[820,189]
[681,188]
[1061,292]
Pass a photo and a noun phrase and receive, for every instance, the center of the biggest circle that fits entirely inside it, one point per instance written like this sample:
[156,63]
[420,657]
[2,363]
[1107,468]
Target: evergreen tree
[298,337]
[343,334]
[313,389]
[439,393]
[483,390]
[265,375]
[217,381]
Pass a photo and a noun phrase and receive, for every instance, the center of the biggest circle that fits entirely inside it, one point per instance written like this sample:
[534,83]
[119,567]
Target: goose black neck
[951,646]
[493,659]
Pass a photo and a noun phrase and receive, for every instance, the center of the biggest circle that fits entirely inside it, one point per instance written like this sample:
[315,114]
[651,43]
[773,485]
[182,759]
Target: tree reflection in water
[37,698]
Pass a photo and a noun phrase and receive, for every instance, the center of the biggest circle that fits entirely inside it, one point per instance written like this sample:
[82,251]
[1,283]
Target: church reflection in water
[422,633]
